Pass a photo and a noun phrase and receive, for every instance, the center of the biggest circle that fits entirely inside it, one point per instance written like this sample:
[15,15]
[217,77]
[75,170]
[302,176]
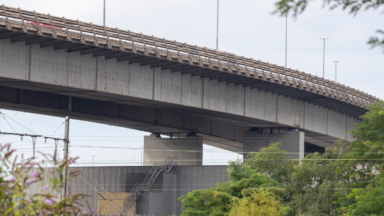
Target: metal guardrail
[151,177]
[98,36]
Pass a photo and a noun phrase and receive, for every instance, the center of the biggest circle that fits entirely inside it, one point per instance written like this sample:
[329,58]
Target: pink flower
[51,171]
[2,184]
[12,179]
[35,174]
[92,211]
[67,195]
[31,165]
[1,159]
[48,202]
[7,145]
[85,212]
[27,183]
[46,187]
[25,191]
[47,212]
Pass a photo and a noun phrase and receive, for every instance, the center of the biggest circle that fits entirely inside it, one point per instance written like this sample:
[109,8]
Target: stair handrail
[151,177]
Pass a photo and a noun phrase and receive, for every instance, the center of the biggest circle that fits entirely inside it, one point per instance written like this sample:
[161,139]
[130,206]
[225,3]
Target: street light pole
[324,55]
[104,14]
[335,70]
[217,27]
[286,36]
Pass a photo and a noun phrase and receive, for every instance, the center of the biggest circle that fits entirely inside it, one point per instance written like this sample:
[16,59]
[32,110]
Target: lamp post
[324,55]
[104,14]
[335,70]
[286,36]
[217,27]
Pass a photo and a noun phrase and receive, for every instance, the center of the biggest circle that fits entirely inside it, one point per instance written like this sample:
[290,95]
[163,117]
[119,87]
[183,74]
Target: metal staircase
[147,183]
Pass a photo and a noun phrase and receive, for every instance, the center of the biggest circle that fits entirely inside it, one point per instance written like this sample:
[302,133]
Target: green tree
[361,168]
[243,181]
[261,203]
[315,180]
[354,6]
[16,179]
[273,161]
[310,185]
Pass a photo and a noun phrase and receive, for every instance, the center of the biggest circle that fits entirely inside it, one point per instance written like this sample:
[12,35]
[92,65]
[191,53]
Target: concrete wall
[204,106]
[292,141]
[187,150]
[161,199]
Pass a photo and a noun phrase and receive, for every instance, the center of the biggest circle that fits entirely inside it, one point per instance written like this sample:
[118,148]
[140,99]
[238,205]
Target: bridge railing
[138,43]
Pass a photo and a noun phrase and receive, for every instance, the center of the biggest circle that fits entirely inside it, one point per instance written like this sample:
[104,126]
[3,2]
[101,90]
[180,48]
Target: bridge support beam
[188,150]
[292,141]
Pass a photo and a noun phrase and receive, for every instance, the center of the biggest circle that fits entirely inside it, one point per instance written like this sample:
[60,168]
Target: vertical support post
[34,144]
[66,143]
[56,144]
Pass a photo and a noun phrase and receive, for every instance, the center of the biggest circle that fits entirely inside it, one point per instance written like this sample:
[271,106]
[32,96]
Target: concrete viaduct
[57,66]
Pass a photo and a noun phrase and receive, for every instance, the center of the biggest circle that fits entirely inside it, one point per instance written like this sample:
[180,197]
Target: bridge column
[292,140]
[188,150]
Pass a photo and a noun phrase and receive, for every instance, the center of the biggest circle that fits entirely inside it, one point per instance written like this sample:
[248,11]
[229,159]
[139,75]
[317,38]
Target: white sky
[246,28]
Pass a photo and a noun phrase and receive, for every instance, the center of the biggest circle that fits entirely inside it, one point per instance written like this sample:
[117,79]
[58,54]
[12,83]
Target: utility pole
[324,55]
[66,143]
[335,70]
[217,27]
[104,14]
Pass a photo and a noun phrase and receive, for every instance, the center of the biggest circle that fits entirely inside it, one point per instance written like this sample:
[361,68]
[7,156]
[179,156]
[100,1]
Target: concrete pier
[292,141]
[188,150]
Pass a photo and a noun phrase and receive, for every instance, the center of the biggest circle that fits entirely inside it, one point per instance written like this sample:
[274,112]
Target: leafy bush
[17,179]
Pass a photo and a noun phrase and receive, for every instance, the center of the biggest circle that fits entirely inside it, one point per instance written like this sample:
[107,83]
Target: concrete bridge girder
[152,99]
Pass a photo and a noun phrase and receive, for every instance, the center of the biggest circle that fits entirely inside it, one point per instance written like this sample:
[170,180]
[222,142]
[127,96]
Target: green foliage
[261,202]
[309,186]
[296,7]
[361,168]
[216,201]
[16,179]
[274,162]
[314,182]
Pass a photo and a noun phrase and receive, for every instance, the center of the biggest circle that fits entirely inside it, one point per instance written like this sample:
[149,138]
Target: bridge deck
[73,35]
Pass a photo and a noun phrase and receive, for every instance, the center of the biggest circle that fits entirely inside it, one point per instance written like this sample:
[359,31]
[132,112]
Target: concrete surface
[188,150]
[59,83]
[292,141]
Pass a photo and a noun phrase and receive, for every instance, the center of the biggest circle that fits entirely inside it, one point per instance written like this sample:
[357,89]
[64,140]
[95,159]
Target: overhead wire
[57,129]
[8,123]
[18,123]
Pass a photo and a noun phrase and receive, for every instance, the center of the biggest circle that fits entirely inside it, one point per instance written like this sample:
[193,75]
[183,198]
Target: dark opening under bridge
[58,66]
